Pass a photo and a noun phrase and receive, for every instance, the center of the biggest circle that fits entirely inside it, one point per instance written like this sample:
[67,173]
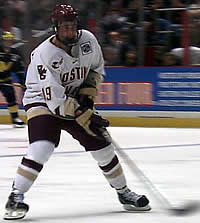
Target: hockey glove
[88,119]
[86,97]
[67,110]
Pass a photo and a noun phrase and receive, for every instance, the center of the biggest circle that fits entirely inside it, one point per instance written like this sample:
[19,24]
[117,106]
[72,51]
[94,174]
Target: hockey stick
[186,209]
[13,85]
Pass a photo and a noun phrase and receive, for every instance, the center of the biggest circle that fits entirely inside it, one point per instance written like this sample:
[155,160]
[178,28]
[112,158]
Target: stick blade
[187,209]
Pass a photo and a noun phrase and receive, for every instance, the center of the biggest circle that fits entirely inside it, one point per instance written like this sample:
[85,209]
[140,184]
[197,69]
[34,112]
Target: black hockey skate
[133,202]
[18,123]
[15,207]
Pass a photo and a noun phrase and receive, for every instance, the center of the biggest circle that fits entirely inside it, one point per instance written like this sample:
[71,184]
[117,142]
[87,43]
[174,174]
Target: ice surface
[72,189]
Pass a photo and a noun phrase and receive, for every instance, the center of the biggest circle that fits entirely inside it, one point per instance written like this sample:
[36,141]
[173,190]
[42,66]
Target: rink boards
[132,119]
[149,97]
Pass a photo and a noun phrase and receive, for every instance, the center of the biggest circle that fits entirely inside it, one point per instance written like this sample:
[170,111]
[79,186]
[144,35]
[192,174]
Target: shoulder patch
[86,48]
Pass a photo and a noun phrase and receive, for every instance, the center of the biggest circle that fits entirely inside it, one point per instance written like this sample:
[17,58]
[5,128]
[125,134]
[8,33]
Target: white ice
[71,188]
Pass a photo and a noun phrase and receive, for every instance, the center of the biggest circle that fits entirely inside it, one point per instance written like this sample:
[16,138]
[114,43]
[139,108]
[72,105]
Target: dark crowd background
[131,32]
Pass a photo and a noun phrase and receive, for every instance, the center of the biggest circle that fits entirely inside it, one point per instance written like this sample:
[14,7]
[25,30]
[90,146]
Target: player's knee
[104,156]
[40,151]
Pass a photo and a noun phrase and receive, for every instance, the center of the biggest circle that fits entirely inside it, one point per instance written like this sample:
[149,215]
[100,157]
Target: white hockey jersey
[53,74]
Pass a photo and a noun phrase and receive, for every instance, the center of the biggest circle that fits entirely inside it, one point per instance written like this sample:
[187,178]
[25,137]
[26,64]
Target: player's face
[67,30]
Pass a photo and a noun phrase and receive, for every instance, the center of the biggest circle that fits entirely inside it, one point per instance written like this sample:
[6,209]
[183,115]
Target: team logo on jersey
[56,64]
[86,48]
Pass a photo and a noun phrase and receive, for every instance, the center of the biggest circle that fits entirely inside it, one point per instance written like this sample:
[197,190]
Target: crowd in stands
[123,27]
[166,26]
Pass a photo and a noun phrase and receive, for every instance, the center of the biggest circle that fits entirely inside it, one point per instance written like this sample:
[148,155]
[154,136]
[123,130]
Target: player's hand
[86,101]
[86,96]
[97,119]
[90,120]
[93,116]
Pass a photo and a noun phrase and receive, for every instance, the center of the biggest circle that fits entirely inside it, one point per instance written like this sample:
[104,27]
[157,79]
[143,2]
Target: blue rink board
[173,88]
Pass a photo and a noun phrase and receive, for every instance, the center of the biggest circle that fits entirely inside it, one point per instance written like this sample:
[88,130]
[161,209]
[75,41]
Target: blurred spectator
[162,32]
[194,23]
[194,54]
[130,59]
[125,44]
[111,21]
[177,3]
[121,25]
[115,44]
[17,33]
[40,15]
[169,59]
[114,39]
[111,58]
[195,13]
[5,23]
[157,4]
[89,15]
[18,11]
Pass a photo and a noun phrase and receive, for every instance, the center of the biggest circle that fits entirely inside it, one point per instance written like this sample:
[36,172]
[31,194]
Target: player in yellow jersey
[10,61]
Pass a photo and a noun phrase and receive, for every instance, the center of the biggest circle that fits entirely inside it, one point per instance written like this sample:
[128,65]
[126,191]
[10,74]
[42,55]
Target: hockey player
[10,61]
[61,83]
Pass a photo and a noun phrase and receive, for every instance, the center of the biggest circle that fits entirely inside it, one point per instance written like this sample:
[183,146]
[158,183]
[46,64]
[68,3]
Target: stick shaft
[12,85]
[164,203]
